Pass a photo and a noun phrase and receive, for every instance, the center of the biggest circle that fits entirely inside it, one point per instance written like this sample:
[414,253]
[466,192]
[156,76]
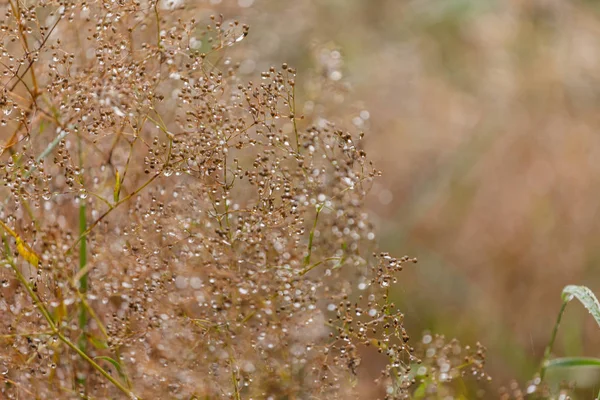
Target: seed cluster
[197,236]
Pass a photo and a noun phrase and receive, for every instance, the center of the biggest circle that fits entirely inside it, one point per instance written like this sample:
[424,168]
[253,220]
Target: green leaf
[114,363]
[586,297]
[573,362]
[420,391]
[97,343]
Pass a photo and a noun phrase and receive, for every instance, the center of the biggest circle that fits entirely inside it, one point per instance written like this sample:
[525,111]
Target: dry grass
[484,121]
[177,224]
[172,229]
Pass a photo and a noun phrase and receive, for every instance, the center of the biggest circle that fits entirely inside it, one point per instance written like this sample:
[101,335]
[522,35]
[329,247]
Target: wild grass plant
[174,229]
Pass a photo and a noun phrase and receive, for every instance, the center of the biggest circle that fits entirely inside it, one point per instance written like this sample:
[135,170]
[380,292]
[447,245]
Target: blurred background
[484,118]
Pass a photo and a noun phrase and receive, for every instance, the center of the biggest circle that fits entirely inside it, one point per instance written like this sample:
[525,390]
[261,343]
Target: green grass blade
[115,364]
[97,343]
[589,301]
[586,297]
[48,150]
[83,248]
[569,362]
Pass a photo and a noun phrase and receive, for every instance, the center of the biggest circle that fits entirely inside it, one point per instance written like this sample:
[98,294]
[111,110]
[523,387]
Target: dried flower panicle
[198,237]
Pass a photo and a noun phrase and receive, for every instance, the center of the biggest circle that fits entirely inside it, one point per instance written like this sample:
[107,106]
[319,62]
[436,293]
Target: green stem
[44,311]
[311,236]
[83,281]
[292,105]
[548,350]
[97,367]
[310,268]
[158,39]
[236,390]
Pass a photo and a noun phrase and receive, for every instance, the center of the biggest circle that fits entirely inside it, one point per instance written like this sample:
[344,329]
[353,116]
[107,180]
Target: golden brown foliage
[196,236]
